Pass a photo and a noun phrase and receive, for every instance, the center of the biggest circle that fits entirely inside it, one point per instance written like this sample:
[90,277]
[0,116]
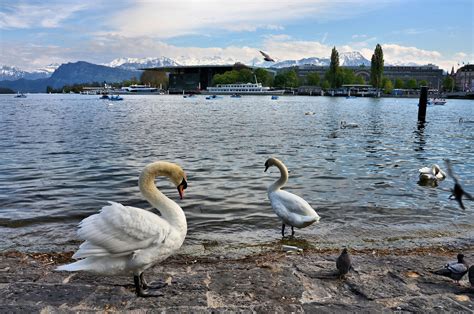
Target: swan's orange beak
[181,187]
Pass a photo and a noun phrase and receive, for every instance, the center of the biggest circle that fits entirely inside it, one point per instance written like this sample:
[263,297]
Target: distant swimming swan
[431,174]
[292,209]
[128,240]
[345,125]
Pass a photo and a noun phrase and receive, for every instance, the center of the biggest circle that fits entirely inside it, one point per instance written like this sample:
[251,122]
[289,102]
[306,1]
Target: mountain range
[122,69]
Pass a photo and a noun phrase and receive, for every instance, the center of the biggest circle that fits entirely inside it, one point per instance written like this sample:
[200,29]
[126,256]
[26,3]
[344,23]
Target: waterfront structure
[194,78]
[430,73]
[464,78]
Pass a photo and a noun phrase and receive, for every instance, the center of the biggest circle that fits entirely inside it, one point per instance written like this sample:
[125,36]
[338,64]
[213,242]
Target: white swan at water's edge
[431,174]
[290,208]
[128,240]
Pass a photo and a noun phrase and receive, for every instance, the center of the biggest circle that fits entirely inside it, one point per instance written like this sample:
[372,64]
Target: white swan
[345,125]
[292,209]
[128,240]
[431,174]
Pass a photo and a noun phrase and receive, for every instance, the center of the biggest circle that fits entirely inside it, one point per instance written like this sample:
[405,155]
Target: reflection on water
[65,156]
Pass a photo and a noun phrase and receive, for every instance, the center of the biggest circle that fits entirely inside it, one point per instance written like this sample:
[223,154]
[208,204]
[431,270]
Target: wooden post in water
[422,104]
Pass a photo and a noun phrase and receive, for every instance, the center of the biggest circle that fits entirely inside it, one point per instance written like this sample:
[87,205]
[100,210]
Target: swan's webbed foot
[140,287]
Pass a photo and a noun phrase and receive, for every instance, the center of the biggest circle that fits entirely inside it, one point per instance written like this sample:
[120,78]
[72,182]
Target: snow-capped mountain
[8,73]
[353,58]
[141,63]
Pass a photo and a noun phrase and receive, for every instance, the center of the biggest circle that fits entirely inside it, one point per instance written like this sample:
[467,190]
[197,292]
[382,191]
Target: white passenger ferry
[242,89]
[139,89]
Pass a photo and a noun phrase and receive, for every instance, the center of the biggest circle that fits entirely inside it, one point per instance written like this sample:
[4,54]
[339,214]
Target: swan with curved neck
[128,240]
[290,208]
[431,174]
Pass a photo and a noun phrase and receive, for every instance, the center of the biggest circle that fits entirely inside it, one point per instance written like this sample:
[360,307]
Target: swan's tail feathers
[76,266]
[88,249]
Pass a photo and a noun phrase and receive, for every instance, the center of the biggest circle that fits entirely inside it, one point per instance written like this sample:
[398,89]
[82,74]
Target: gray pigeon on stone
[343,263]
[454,270]
[471,275]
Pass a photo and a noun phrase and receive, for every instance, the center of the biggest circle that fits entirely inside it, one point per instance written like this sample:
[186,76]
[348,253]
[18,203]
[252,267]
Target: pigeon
[457,192]
[471,275]
[454,270]
[343,263]
[266,57]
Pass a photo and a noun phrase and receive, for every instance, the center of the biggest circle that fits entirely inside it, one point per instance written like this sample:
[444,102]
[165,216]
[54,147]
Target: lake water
[62,157]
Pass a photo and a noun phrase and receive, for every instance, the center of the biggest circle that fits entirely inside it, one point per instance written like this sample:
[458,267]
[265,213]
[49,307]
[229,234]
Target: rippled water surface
[64,156]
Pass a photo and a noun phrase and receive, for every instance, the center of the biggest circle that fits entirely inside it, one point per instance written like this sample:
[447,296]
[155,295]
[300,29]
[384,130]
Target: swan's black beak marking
[181,187]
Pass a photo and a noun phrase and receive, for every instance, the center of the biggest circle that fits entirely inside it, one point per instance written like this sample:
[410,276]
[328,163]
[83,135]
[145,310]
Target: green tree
[325,85]
[359,80]
[287,78]
[264,77]
[423,83]
[313,79]
[399,83]
[348,76]
[332,74]
[376,67]
[388,87]
[154,78]
[411,84]
[448,84]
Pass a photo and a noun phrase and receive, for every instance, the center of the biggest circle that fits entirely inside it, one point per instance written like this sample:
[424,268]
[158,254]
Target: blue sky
[34,33]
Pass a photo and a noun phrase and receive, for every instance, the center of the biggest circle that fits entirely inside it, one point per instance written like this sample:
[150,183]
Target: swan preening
[431,175]
[290,208]
[128,240]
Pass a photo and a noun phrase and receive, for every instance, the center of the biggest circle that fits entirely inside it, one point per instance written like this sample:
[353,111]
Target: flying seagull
[266,57]
[457,192]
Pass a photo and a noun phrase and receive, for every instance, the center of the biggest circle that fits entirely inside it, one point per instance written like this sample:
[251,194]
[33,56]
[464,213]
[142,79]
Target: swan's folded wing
[426,170]
[120,230]
[291,203]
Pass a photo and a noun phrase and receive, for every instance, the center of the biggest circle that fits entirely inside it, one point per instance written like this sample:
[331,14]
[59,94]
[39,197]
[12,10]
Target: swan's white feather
[120,230]
[292,209]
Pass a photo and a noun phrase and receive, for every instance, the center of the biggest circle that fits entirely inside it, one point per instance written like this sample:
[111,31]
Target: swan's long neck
[278,184]
[169,210]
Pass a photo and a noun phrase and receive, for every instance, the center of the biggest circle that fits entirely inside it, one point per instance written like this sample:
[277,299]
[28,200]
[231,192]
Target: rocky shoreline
[384,280]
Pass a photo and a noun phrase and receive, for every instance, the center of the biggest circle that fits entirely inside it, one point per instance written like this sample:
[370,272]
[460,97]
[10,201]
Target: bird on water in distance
[125,240]
[343,263]
[290,208]
[454,270]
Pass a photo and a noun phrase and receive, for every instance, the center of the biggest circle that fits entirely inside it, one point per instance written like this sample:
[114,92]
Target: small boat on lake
[115,97]
[20,95]
[235,96]
[213,97]
[436,102]
[274,97]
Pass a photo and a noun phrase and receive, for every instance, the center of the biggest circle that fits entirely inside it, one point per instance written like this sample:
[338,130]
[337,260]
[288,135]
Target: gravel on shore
[384,280]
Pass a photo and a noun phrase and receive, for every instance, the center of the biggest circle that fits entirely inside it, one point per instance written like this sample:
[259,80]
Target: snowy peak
[140,63]
[8,73]
[353,58]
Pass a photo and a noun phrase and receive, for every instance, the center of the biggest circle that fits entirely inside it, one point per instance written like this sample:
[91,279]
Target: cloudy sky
[35,33]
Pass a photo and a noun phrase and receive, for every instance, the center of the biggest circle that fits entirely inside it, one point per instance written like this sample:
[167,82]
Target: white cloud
[166,19]
[47,15]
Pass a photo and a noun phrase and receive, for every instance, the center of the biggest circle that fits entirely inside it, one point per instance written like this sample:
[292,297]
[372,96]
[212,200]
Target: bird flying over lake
[266,57]
[457,192]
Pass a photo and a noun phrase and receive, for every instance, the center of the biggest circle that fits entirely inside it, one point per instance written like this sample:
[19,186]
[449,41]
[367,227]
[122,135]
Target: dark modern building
[194,78]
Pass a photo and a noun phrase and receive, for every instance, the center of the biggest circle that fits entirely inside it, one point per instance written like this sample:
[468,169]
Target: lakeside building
[431,73]
[464,78]
[194,78]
